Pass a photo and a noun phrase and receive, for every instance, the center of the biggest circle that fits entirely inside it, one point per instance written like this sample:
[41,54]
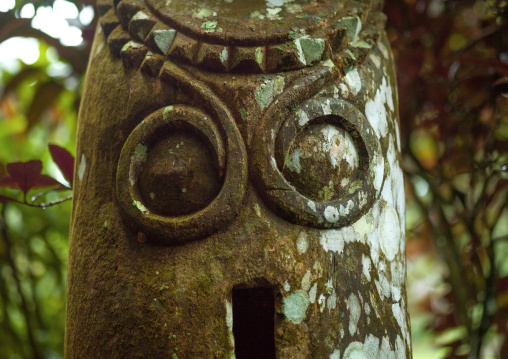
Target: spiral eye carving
[322,162]
[176,179]
[181,174]
[322,165]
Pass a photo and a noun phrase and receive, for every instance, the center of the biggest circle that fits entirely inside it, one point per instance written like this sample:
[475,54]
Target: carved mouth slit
[254,322]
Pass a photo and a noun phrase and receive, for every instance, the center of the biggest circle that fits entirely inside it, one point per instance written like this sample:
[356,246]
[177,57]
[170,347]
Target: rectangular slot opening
[254,322]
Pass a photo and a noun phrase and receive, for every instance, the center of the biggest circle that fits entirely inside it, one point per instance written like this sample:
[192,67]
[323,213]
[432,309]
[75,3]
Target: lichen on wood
[236,147]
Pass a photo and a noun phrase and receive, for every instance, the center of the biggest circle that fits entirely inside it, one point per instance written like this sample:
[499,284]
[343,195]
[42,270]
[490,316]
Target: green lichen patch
[353,25]
[137,159]
[293,161]
[141,207]
[361,44]
[296,33]
[82,167]
[224,55]
[312,49]
[243,113]
[326,193]
[210,26]
[293,8]
[268,90]
[131,45]
[256,15]
[259,55]
[163,39]
[354,81]
[355,186]
[167,110]
[329,63]
[202,13]
[354,350]
[295,306]
[139,155]
[272,14]
[351,54]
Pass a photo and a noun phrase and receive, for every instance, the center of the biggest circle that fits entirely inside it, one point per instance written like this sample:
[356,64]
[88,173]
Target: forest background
[452,61]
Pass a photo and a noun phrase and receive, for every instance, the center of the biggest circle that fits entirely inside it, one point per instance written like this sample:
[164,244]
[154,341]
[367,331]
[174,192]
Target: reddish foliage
[26,176]
[453,86]
[64,161]
[8,182]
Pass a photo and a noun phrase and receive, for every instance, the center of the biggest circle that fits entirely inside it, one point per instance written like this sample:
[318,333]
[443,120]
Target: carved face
[239,184]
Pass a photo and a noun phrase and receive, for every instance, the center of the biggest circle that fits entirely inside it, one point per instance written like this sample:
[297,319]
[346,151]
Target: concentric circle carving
[321,165]
[322,161]
[178,178]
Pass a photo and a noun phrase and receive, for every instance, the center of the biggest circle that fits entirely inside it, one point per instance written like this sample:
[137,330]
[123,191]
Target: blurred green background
[452,59]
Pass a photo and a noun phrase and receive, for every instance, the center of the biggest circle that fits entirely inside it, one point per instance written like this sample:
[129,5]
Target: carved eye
[322,164]
[322,161]
[178,179]
[181,173]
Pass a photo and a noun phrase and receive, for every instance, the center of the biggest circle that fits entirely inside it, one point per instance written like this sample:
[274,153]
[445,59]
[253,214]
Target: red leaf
[8,182]
[64,161]
[4,199]
[46,181]
[25,174]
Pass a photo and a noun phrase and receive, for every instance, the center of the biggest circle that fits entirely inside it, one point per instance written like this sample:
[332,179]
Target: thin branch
[488,304]
[10,23]
[15,275]
[7,326]
[487,31]
[32,280]
[35,197]
[449,254]
[50,204]
[42,205]
[75,55]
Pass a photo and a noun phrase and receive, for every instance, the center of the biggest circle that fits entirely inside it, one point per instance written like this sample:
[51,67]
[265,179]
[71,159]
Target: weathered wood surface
[228,145]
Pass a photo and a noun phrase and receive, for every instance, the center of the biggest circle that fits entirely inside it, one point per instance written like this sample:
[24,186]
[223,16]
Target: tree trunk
[238,185]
